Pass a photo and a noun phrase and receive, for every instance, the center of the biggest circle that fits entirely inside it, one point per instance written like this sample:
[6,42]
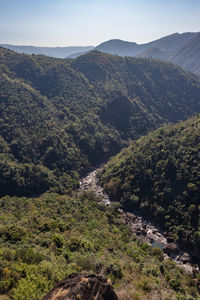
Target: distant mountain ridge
[58,52]
[181,49]
[119,47]
[170,48]
[173,41]
[168,43]
[188,56]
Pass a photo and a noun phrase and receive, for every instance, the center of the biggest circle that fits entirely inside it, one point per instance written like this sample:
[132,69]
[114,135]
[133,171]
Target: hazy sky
[90,22]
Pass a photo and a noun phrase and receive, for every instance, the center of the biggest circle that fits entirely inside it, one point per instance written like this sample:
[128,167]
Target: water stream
[140,227]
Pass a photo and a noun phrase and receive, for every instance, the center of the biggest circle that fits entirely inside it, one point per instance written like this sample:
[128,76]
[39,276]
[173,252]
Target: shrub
[32,287]
[175,284]
[58,240]
[114,269]
[14,233]
[28,256]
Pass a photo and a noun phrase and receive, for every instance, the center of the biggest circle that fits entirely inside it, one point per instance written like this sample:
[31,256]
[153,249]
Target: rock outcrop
[171,248]
[82,287]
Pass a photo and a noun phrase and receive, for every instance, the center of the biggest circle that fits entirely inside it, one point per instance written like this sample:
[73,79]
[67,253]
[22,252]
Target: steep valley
[146,230]
[159,175]
[59,120]
[70,115]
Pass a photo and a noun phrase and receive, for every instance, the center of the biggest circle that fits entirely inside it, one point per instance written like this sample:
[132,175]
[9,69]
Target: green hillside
[45,239]
[60,117]
[159,175]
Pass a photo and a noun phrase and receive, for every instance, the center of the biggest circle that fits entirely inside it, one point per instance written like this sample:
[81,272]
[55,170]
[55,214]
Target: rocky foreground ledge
[82,287]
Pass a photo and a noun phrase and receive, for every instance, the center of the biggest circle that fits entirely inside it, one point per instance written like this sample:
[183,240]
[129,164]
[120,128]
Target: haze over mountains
[181,49]
[168,43]
[58,52]
[188,57]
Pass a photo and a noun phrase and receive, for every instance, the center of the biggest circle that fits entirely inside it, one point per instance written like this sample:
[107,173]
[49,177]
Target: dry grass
[4,297]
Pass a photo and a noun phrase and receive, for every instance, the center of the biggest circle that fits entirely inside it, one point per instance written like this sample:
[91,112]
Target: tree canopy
[159,174]
[60,117]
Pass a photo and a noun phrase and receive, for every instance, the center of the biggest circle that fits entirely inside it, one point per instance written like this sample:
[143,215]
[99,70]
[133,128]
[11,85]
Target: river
[143,229]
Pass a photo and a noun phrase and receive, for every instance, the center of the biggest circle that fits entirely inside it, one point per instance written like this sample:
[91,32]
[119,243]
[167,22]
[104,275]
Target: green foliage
[13,233]
[28,256]
[159,175]
[175,284]
[197,239]
[58,240]
[60,117]
[31,287]
[35,262]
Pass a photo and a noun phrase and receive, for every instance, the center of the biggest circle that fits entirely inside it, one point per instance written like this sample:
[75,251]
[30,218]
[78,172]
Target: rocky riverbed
[90,182]
[142,228]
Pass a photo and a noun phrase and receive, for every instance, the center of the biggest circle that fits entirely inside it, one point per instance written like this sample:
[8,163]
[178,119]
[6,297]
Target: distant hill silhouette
[77,54]
[168,43]
[58,52]
[188,56]
[172,42]
[154,53]
[181,49]
[120,47]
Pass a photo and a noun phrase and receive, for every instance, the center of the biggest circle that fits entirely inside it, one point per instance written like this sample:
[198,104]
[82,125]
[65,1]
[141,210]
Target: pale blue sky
[90,22]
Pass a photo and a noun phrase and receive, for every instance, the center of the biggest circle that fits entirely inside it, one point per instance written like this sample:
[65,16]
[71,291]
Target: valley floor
[146,230]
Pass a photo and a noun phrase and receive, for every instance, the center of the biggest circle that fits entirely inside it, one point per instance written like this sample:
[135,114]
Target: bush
[58,240]
[156,251]
[29,256]
[32,287]
[114,270]
[175,284]
[14,233]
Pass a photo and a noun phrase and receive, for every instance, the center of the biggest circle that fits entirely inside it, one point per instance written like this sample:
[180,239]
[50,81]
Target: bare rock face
[82,287]
[185,258]
[170,248]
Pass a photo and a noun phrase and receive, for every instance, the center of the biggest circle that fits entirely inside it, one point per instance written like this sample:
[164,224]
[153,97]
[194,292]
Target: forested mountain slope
[46,238]
[159,174]
[59,117]
[181,49]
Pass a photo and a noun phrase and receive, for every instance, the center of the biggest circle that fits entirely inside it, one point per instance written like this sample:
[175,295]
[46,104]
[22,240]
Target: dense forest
[46,238]
[60,117]
[159,175]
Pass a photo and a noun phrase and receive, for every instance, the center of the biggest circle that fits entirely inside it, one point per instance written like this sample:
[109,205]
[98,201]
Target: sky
[90,22]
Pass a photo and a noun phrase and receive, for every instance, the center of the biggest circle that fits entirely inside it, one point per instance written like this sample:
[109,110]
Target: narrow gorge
[144,229]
